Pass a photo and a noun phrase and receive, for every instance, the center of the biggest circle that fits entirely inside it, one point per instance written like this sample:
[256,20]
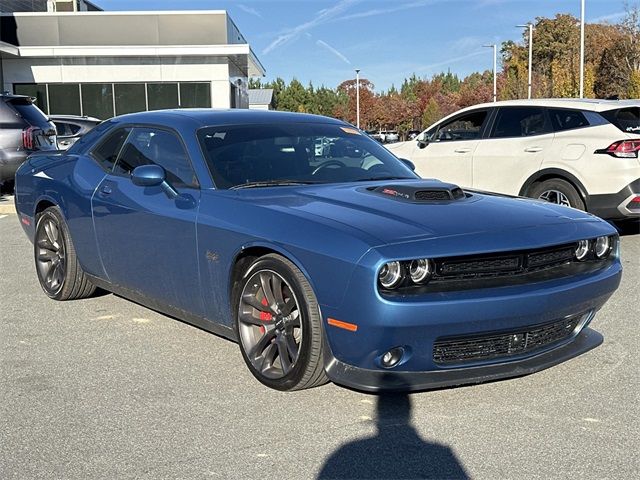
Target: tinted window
[107,152]
[64,99]
[29,112]
[195,95]
[567,119]
[97,100]
[465,127]
[162,95]
[130,98]
[306,153]
[519,122]
[66,129]
[626,119]
[147,146]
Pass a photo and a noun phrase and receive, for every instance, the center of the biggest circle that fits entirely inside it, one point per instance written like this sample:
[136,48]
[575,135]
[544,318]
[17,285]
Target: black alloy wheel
[57,266]
[278,325]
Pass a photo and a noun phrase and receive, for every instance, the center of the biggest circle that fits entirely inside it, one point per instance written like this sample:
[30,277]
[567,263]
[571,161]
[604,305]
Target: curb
[7,206]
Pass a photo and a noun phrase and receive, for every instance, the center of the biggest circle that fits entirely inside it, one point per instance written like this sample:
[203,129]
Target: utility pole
[358,97]
[495,64]
[581,48]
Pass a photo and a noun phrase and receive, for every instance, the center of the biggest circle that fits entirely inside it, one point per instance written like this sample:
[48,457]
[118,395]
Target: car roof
[210,116]
[593,104]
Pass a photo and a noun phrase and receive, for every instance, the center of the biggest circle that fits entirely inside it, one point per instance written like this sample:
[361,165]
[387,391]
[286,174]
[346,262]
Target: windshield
[290,153]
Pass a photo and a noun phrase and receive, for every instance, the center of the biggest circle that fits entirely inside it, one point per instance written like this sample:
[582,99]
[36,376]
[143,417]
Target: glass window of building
[162,95]
[64,99]
[130,98]
[97,100]
[195,95]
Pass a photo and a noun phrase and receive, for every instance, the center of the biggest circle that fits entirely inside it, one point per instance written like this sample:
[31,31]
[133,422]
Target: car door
[516,146]
[448,153]
[147,240]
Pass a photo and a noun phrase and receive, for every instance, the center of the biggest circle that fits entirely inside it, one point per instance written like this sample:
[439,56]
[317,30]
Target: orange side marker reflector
[352,327]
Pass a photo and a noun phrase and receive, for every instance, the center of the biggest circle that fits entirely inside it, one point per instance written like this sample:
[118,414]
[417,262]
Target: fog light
[582,249]
[390,274]
[603,247]
[392,357]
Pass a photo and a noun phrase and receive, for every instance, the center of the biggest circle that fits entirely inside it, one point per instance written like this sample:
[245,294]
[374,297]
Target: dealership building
[78,60]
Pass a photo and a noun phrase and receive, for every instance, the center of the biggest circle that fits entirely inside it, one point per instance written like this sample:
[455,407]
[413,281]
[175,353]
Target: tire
[559,191]
[278,325]
[57,267]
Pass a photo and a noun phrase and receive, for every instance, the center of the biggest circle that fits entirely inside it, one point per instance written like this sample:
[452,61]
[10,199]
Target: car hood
[387,218]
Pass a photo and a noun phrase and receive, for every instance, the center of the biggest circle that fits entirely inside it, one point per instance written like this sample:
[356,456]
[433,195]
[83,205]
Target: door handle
[106,190]
[533,149]
[462,150]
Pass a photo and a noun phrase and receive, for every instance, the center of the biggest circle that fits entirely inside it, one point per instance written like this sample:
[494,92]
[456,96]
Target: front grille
[500,265]
[504,344]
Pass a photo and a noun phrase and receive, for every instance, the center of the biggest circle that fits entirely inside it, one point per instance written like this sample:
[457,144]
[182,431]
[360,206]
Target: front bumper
[381,380]
[614,206]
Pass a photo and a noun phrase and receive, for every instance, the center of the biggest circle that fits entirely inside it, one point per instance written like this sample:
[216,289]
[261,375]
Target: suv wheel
[557,191]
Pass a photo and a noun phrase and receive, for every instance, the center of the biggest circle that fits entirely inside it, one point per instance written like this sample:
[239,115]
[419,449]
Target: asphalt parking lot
[105,388]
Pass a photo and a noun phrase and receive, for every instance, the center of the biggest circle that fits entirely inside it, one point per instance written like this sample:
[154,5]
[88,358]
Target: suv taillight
[28,138]
[622,149]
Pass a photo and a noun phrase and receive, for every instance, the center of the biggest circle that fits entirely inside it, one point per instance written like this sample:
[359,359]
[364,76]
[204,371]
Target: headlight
[420,270]
[582,250]
[390,274]
[602,247]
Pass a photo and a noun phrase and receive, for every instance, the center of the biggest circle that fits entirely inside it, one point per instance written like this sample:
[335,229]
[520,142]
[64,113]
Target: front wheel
[278,325]
[59,272]
[557,191]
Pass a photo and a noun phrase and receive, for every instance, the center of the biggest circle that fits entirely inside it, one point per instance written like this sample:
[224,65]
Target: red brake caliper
[265,316]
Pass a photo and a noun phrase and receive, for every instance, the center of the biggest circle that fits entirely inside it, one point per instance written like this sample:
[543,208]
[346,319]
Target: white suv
[579,153]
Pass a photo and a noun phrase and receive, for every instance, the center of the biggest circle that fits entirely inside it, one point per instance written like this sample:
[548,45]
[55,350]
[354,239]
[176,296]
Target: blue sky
[388,40]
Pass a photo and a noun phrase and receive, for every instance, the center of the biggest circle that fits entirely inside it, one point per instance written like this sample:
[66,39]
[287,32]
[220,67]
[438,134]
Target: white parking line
[3,216]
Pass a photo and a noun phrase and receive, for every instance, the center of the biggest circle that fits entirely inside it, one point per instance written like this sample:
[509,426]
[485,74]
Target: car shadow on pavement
[395,451]
[630,227]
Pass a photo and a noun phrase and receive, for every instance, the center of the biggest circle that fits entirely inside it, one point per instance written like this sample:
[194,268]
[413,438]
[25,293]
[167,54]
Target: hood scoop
[431,191]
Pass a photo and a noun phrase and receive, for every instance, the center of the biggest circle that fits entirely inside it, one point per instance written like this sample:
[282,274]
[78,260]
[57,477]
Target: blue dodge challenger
[323,255]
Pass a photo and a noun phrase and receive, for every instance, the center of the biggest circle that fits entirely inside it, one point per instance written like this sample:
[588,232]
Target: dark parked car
[24,128]
[337,265]
[71,127]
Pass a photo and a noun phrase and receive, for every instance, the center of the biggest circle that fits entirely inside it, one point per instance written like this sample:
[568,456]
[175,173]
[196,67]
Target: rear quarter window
[626,119]
[564,119]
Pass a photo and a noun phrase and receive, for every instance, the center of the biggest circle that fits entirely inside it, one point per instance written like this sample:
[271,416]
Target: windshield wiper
[271,183]
[373,179]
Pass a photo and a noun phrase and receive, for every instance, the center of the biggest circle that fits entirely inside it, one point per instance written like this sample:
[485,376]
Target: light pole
[358,97]
[582,49]
[495,62]
[530,27]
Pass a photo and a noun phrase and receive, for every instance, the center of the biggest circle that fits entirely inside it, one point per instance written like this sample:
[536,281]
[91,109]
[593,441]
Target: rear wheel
[557,191]
[59,272]
[278,325]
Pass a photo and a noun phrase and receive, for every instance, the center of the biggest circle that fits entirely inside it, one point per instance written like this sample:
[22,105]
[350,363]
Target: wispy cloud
[385,11]
[322,17]
[249,10]
[608,18]
[450,61]
[333,50]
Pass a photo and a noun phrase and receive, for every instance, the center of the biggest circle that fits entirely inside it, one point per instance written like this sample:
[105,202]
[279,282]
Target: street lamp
[530,27]
[495,62]
[358,97]
[582,49]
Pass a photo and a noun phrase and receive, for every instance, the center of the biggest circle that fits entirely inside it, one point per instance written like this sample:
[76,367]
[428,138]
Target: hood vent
[422,192]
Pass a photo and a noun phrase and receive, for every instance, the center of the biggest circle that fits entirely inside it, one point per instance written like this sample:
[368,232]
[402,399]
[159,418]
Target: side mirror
[409,164]
[422,144]
[153,176]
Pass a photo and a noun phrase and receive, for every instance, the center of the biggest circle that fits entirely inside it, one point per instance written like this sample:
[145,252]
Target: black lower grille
[504,344]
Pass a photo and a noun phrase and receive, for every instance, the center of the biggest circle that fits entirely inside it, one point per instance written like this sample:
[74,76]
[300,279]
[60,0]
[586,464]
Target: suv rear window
[626,119]
[29,112]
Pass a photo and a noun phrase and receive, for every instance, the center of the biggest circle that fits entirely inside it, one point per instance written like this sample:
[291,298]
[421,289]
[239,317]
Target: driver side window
[464,127]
